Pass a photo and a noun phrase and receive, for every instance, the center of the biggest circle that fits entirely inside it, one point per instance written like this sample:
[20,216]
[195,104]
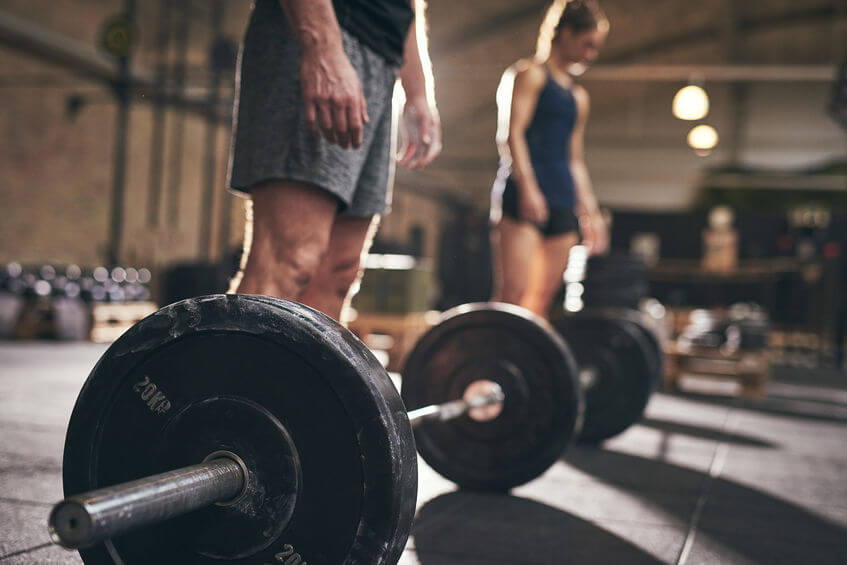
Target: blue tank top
[549,139]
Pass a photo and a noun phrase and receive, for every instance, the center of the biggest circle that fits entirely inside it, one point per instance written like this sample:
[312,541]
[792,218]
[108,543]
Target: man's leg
[286,238]
[341,266]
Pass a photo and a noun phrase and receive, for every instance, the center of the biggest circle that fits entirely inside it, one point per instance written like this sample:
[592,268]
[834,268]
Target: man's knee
[298,261]
[288,260]
[291,231]
[339,275]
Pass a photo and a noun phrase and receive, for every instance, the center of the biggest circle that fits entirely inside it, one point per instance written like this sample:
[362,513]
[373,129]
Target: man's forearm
[333,100]
[416,72]
[420,122]
[314,23]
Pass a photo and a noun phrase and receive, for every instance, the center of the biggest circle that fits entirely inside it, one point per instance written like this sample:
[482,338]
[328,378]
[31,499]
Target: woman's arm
[529,81]
[591,221]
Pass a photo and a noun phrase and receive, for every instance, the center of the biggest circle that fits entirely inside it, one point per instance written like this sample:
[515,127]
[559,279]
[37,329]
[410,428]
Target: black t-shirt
[381,25]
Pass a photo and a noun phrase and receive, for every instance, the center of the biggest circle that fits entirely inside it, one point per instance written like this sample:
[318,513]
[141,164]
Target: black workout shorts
[561,220]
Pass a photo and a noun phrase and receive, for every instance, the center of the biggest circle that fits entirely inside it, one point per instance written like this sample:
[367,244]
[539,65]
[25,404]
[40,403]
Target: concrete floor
[700,480]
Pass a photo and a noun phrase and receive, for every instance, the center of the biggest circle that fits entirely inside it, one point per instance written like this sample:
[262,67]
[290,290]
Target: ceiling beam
[649,72]
[493,26]
[711,73]
[21,35]
[713,31]
[26,37]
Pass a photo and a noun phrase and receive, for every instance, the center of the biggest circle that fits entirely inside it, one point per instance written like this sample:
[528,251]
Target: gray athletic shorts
[270,139]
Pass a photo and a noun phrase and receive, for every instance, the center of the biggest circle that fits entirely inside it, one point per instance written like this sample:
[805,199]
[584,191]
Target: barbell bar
[89,518]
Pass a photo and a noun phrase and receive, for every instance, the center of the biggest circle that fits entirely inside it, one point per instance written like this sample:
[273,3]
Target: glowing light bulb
[691,103]
[703,139]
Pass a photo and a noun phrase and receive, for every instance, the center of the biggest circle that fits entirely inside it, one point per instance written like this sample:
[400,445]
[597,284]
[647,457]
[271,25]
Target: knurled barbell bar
[222,478]
[310,457]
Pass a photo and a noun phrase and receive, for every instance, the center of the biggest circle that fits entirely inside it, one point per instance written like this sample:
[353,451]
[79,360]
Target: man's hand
[334,102]
[420,134]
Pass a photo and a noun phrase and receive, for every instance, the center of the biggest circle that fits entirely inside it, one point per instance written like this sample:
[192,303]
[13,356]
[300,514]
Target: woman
[546,200]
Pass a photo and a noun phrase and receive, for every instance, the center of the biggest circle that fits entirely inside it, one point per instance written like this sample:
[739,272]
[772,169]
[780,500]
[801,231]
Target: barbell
[254,429]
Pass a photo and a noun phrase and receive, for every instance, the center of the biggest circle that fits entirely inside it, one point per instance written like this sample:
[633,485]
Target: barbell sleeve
[455,408]
[89,518]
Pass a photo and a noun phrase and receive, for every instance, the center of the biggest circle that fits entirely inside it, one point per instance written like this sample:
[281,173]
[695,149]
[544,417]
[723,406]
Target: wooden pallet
[693,368]
[111,319]
[393,334]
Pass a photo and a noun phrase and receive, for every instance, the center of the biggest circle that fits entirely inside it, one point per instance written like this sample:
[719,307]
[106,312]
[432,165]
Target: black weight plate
[281,385]
[623,284]
[654,351]
[630,286]
[616,282]
[628,298]
[615,262]
[616,356]
[525,356]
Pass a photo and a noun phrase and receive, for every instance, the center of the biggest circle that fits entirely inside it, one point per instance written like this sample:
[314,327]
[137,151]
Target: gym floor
[702,479]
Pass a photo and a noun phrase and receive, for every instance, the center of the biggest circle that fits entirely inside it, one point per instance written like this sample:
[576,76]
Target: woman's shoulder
[580,94]
[530,71]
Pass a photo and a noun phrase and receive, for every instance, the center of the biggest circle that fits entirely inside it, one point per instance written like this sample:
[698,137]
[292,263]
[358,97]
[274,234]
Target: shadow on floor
[672,427]
[803,409]
[823,401]
[818,376]
[753,524]
[478,529]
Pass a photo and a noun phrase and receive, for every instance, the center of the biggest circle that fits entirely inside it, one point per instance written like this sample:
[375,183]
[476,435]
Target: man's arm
[332,94]
[420,115]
